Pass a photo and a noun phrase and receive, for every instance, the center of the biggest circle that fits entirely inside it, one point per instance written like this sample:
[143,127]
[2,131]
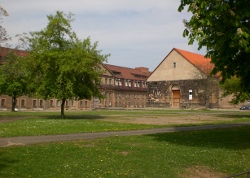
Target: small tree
[13,78]
[3,33]
[63,66]
[232,87]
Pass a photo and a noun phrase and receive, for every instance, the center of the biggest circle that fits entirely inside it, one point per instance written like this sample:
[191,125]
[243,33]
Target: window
[174,64]
[22,102]
[81,104]
[110,81]
[41,103]
[57,103]
[106,81]
[2,102]
[51,103]
[117,82]
[86,104]
[34,103]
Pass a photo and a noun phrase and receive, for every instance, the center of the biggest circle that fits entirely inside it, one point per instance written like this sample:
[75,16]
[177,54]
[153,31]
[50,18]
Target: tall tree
[63,66]
[13,76]
[223,27]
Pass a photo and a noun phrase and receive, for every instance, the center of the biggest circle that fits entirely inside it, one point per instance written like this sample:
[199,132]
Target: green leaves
[62,61]
[232,86]
[13,76]
[223,28]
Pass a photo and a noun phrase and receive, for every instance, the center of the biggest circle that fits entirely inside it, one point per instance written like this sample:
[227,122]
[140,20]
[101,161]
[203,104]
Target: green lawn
[46,123]
[223,151]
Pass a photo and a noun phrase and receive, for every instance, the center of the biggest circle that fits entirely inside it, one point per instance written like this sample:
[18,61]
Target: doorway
[176,96]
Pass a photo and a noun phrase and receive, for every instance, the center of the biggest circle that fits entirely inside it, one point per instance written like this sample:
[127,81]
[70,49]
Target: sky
[136,33]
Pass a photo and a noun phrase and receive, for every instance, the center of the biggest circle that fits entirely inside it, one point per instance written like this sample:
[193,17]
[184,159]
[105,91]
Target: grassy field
[215,152]
[207,153]
[49,123]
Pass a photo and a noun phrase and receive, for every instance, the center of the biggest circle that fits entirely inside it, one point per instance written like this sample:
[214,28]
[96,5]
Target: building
[122,87]
[182,80]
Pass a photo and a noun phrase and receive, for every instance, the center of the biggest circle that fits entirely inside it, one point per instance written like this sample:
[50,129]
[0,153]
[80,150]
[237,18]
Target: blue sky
[135,33]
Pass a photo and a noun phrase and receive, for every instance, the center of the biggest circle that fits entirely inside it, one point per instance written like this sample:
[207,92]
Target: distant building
[182,80]
[122,87]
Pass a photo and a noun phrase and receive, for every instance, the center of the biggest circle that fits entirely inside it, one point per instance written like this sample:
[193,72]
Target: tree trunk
[13,104]
[62,108]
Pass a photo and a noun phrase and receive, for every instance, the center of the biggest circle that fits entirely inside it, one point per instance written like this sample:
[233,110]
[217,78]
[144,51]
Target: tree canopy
[223,28]
[13,77]
[63,66]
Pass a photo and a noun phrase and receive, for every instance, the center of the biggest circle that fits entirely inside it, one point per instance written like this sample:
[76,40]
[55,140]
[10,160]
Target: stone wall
[160,93]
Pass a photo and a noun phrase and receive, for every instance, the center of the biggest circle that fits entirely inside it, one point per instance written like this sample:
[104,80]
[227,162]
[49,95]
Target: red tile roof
[198,60]
[4,51]
[140,73]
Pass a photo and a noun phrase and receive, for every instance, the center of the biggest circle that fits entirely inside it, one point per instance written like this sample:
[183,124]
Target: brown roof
[198,60]
[139,73]
[4,51]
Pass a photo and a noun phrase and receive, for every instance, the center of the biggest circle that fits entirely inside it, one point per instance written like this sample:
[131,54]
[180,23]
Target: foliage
[13,77]
[223,27]
[63,66]
[3,33]
[160,155]
[232,87]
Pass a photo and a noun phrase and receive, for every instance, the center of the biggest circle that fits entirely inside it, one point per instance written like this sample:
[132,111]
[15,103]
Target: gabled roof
[139,73]
[198,60]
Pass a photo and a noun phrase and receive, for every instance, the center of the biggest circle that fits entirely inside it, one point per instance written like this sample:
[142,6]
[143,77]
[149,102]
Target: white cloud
[136,33]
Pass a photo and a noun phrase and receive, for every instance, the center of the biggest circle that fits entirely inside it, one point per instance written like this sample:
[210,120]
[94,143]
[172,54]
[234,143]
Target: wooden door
[176,98]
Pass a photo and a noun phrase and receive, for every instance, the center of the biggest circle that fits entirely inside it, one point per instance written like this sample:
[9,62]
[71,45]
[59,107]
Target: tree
[13,78]
[3,33]
[223,27]
[232,87]
[64,67]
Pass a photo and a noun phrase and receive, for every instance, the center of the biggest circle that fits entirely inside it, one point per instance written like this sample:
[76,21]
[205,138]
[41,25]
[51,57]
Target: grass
[49,123]
[224,151]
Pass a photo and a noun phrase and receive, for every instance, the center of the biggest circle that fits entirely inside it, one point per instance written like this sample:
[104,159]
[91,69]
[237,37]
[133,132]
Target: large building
[122,87]
[182,80]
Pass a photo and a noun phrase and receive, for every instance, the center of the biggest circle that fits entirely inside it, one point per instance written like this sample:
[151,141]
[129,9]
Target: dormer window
[174,64]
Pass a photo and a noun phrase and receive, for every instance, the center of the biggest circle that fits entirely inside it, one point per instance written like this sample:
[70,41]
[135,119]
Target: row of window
[42,103]
[127,83]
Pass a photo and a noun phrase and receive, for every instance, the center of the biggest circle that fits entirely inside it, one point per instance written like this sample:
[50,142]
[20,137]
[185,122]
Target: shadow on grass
[231,138]
[235,116]
[73,117]
[6,161]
